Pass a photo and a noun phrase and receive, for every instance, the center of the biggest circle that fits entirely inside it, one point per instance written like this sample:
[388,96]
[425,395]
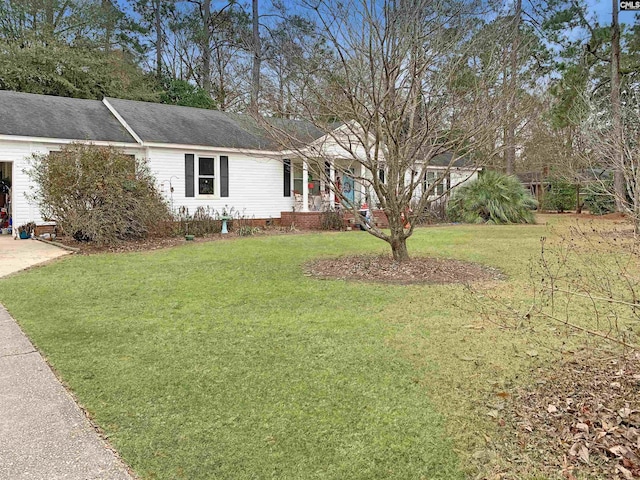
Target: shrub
[332,220]
[435,212]
[492,198]
[98,194]
[560,196]
[598,198]
[203,222]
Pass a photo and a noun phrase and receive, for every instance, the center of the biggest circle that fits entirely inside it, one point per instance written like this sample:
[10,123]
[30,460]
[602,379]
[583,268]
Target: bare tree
[512,121]
[613,144]
[616,110]
[399,89]
[256,47]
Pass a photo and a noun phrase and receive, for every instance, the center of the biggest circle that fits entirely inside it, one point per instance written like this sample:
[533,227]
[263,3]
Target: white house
[199,157]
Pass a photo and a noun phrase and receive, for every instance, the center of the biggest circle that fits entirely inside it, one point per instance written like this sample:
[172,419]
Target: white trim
[122,121]
[216,177]
[216,150]
[66,141]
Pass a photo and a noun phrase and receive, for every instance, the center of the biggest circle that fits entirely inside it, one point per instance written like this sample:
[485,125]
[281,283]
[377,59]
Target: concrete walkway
[16,255]
[44,435]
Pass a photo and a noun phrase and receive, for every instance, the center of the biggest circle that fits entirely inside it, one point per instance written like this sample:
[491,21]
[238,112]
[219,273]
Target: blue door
[347,190]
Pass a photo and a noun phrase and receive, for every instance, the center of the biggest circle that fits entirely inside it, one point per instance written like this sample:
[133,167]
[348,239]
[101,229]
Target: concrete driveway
[44,435]
[16,255]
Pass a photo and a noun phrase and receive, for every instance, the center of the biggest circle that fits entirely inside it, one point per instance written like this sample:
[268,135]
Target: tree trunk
[159,39]
[108,24]
[616,110]
[48,21]
[578,204]
[206,46]
[510,130]
[397,239]
[257,59]
[399,249]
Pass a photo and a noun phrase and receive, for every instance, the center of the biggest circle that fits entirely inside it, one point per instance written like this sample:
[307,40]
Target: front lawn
[224,360]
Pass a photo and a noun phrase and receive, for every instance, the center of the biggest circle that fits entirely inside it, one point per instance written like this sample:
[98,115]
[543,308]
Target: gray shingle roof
[444,160]
[31,115]
[159,123]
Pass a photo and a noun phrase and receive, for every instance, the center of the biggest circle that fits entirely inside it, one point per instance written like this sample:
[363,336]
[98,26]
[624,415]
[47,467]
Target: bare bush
[208,221]
[98,194]
[587,281]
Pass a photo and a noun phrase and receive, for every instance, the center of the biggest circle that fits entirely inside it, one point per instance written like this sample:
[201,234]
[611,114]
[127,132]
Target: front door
[348,189]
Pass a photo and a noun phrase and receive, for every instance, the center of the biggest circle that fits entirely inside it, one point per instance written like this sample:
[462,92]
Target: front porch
[314,185]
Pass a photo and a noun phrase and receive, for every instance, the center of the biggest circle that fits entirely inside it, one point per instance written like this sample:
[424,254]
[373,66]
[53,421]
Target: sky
[602,10]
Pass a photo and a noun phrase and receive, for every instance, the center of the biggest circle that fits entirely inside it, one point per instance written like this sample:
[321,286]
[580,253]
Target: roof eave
[65,141]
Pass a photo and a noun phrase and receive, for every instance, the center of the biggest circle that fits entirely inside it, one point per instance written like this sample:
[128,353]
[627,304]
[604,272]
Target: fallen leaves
[583,421]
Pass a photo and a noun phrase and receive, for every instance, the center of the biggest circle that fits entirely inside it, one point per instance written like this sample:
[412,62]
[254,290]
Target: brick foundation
[313,220]
[304,220]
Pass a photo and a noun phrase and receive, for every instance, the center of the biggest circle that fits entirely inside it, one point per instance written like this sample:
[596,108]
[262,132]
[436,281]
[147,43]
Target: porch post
[332,177]
[305,186]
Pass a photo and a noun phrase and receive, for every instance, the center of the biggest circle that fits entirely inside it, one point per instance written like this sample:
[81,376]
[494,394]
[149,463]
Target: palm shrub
[492,198]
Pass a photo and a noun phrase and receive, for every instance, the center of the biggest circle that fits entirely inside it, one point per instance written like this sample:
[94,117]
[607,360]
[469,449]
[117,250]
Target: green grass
[223,360]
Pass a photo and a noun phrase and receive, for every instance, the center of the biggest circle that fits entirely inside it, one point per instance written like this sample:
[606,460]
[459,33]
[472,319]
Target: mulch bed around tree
[384,269]
[581,420]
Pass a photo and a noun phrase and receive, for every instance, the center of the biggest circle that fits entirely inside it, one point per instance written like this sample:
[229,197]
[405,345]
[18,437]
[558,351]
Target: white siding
[18,153]
[457,177]
[255,183]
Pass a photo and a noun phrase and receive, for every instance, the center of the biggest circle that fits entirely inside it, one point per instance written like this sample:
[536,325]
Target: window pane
[206,166]
[205,186]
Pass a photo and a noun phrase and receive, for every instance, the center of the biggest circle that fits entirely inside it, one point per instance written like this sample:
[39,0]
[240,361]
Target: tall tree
[256,45]
[512,120]
[616,110]
[153,15]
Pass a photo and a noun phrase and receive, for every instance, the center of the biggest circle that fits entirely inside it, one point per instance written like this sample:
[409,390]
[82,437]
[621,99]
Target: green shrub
[98,194]
[598,199]
[492,198]
[561,195]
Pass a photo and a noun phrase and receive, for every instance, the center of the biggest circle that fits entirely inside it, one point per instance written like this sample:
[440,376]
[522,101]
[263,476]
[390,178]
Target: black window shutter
[287,178]
[188,175]
[224,176]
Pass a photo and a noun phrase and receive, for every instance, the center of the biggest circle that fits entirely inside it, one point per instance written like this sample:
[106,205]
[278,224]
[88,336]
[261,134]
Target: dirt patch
[384,269]
[581,420]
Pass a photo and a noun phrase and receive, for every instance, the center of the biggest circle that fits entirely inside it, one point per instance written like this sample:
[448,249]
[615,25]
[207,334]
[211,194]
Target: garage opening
[6,212]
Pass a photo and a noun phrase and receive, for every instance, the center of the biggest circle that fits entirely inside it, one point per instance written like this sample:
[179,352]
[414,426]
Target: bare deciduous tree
[401,89]
[613,143]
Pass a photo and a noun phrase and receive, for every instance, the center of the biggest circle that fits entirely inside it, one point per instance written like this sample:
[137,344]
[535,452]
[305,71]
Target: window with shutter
[189,175]
[287,178]
[224,176]
[206,177]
